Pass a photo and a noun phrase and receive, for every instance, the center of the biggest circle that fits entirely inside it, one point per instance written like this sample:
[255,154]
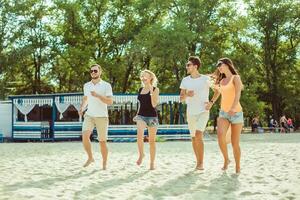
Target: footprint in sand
[278,179]
[246,193]
[290,198]
[258,177]
[274,193]
[284,191]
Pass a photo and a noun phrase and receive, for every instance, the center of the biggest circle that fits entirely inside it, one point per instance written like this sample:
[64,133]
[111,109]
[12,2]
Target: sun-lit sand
[270,170]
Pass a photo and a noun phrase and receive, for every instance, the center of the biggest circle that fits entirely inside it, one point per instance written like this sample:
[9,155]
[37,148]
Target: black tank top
[146,108]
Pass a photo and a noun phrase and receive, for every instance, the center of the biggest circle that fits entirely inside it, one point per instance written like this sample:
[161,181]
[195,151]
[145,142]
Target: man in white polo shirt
[97,95]
[195,92]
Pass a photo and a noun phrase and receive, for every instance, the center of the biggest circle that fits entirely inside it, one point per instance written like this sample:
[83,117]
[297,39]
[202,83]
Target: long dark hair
[217,76]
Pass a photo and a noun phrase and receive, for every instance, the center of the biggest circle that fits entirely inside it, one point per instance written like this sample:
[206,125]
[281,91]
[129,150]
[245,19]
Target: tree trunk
[127,74]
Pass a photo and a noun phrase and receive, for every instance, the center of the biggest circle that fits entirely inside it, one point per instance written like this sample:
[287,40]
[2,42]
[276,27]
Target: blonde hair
[96,65]
[153,80]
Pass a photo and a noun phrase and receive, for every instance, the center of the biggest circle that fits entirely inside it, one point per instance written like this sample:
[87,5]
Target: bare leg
[236,130]
[195,147]
[223,125]
[87,147]
[141,125]
[152,135]
[104,153]
[199,149]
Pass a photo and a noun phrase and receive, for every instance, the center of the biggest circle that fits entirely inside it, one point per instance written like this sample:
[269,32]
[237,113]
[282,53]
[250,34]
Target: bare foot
[88,162]
[152,166]
[199,166]
[104,165]
[140,160]
[237,169]
[226,163]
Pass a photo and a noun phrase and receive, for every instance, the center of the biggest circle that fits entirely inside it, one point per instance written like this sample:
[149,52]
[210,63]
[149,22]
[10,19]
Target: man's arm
[105,99]
[83,105]
[183,95]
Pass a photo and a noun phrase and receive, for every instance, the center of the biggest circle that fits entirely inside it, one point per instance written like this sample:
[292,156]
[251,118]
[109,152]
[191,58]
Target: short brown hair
[195,60]
[96,65]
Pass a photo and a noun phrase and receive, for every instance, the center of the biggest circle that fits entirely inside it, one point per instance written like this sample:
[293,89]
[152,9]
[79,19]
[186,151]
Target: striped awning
[118,99]
[33,101]
[168,98]
[69,99]
[133,98]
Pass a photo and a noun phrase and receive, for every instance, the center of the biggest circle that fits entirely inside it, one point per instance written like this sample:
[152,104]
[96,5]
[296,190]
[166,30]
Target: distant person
[272,124]
[283,124]
[290,124]
[275,125]
[255,124]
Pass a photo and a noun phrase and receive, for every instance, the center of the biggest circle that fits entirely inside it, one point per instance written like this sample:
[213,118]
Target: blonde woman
[229,85]
[147,115]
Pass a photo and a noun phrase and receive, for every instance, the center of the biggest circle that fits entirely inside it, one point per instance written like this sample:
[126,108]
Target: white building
[55,117]
[6,119]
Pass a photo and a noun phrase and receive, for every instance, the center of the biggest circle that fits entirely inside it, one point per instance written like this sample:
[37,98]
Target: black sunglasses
[94,71]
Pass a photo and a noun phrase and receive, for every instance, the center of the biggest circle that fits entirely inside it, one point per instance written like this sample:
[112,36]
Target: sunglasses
[188,64]
[94,71]
[219,64]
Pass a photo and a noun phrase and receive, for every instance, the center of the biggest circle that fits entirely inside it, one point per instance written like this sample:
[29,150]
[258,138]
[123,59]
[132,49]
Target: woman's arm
[213,99]
[238,88]
[154,97]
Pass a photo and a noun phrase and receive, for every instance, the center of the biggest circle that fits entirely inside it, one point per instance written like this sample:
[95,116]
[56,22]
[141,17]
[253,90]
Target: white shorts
[197,122]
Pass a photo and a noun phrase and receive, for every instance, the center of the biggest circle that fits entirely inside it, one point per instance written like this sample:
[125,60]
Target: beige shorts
[197,122]
[101,124]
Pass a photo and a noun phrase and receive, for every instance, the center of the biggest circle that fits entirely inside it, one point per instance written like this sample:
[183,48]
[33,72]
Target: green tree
[277,39]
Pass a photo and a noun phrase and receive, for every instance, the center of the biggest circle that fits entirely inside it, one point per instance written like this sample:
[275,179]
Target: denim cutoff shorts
[150,121]
[238,118]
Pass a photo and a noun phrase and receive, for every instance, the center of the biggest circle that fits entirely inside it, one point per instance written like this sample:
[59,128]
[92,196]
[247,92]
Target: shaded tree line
[46,46]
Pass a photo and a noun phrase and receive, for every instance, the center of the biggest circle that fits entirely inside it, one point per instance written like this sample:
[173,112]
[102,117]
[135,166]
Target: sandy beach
[270,170]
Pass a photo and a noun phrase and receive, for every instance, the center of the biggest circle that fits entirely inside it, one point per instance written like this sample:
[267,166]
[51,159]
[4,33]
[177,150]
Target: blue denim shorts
[237,118]
[150,121]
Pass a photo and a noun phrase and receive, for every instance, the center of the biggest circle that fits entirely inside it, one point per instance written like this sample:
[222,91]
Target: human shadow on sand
[96,188]
[46,183]
[173,187]
[220,187]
